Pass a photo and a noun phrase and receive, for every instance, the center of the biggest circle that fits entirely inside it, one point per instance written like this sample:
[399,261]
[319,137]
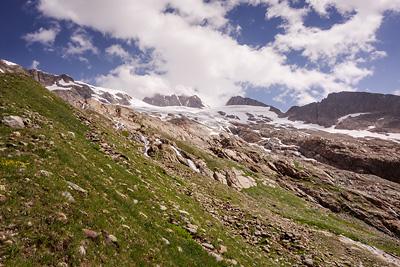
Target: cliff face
[246,101]
[174,100]
[364,109]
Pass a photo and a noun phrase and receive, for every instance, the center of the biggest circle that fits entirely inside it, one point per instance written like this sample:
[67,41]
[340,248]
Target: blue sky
[280,52]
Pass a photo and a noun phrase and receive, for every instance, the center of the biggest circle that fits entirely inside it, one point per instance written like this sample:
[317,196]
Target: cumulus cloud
[43,36]
[35,64]
[117,51]
[194,51]
[80,43]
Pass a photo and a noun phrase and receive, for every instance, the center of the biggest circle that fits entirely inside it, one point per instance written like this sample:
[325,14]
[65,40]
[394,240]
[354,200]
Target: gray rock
[208,246]
[68,196]
[216,256]
[13,121]
[77,188]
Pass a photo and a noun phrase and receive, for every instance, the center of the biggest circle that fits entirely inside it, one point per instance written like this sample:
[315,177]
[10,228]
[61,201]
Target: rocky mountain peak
[351,110]
[175,100]
[246,101]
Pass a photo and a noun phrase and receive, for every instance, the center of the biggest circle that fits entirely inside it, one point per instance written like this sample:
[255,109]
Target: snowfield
[219,119]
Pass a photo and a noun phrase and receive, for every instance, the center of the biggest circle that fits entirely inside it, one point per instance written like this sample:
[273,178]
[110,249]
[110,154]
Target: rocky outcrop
[379,110]
[246,101]
[174,100]
[378,157]
[67,88]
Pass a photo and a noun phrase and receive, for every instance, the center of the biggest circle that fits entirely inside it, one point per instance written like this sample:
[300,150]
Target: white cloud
[43,36]
[118,51]
[35,64]
[396,92]
[80,43]
[193,51]
[350,73]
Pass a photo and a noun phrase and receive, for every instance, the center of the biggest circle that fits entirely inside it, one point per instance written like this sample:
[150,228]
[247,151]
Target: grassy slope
[38,226]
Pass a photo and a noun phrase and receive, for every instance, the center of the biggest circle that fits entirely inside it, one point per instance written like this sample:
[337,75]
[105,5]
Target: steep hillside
[108,186]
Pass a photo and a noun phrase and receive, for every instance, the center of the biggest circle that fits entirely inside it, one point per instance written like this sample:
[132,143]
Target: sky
[280,52]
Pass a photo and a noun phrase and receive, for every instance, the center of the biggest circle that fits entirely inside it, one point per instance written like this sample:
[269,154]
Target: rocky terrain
[107,185]
[352,110]
[174,100]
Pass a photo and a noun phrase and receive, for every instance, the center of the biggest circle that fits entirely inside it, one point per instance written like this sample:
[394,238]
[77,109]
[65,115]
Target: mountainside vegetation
[75,190]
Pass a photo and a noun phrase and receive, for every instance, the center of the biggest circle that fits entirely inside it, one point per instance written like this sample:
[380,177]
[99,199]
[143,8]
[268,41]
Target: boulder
[13,121]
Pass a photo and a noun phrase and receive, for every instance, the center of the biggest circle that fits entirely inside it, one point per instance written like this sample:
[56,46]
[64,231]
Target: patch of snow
[351,116]
[380,253]
[146,145]
[158,141]
[177,151]
[1,71]
[189,161]
[9,63]
[118,125]
[305,158]
[63,83]
[192,165]
[371,127]
[56,87]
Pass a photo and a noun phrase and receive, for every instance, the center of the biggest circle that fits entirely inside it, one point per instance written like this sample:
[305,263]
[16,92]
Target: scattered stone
[307,260]
[163,208]
[43,173]
[208,246]
[29,224]
[266,249]
[2,188]
[13,121]
[122,195]
[2,198]
[68,196]
[165,241]
[180,249]
[72,134]
[22,143]
[135,201]
[192,228]
[184,212]
[51,143]
[15,134]
[77,188]
[90,233]
[111,238]
[62,217]
[126,226]
[223,249]
[42,137]
[82,250]
[216,256]
[62,264]
[142,214]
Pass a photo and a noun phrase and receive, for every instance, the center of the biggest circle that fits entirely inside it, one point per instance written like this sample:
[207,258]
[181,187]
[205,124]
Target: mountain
[246,101]
[65,87]
[86,182]
[174,100]
[352,110]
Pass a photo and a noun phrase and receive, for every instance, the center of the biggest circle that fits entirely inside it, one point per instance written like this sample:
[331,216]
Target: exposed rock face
[174,100]
[68,89]
[379,158]
[371,110]
[246,101]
